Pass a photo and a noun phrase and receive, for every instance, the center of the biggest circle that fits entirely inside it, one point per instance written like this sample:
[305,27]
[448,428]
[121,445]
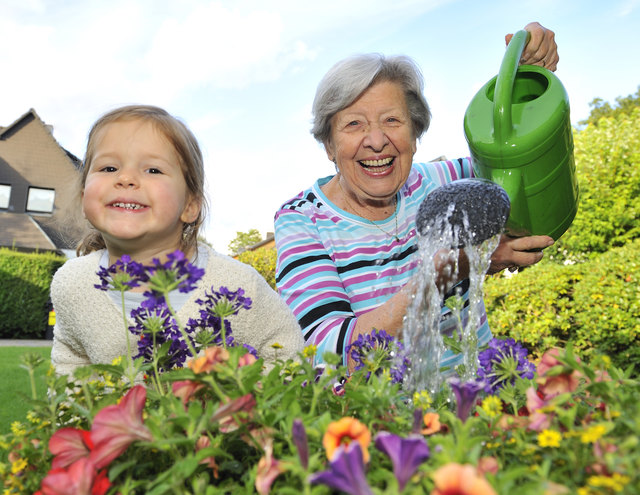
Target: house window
[40,200]
[5,194]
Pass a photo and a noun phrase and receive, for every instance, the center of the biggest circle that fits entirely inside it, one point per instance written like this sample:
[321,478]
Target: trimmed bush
[608,170]
[25,279]
[264,261]
[595,305]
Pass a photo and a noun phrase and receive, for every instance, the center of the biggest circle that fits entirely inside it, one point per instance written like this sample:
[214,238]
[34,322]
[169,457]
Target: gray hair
[351,77]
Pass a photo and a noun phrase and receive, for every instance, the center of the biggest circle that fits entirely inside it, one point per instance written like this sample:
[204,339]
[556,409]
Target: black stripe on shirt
[319,312]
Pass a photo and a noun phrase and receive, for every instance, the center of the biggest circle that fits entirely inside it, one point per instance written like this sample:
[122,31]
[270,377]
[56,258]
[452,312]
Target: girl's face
[135,193]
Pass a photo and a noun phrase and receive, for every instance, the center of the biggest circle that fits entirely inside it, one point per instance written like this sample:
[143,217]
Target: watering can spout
[520,137]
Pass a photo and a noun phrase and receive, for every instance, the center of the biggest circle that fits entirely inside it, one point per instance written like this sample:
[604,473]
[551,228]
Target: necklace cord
[395,212]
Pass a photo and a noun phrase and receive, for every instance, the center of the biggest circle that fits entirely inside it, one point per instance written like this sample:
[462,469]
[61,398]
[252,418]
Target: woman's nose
[375,138]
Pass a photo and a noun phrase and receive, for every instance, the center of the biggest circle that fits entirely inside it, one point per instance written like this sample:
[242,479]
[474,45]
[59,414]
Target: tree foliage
[601,108]
[243,240]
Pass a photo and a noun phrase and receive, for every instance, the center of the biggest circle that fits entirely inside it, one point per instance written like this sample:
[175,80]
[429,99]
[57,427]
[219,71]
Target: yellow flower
[593,434]
[17,429]
[310,351]
[492,406]
[117,361]
[549,438]
[422,400]
[18,466]
[344,431]
[275,345]
[616,481]
[33,418]
[583,490]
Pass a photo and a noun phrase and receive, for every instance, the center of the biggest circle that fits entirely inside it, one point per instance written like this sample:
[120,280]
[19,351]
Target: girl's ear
[191,210]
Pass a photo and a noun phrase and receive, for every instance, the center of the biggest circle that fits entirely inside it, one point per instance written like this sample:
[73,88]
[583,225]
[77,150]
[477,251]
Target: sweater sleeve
[67,352]
[308,281]
[268,326]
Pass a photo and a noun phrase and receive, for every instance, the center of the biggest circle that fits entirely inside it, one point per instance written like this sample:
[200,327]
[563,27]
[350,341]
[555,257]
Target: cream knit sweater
[89,327]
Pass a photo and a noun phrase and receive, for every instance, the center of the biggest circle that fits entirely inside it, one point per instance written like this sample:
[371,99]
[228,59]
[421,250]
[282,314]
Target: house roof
[22,231]
[30,157]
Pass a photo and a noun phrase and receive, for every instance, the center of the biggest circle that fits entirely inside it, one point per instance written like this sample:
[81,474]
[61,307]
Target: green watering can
[519,135]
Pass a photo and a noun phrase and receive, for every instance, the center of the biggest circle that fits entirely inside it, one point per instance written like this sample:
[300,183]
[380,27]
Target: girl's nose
[375,138]
[127,178]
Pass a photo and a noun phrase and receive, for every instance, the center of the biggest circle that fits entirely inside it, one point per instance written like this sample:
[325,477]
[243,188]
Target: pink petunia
[538,420]
[81,478]
[268,470]
[224,413]
[68,445]
[185,389]
[116,427]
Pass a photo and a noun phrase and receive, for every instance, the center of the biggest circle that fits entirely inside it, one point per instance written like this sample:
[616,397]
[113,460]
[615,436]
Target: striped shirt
[333,266]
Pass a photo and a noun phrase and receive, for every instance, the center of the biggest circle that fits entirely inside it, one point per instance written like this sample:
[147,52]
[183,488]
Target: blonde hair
[186,147]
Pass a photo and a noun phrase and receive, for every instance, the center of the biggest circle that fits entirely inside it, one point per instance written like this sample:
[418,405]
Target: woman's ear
[328,148]
[191,210]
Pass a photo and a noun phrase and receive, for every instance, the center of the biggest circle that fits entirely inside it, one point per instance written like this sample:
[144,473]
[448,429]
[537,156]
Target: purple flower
[502,362]
[346,472]
[175,273]
[124,274]
[406,454]
[300,439]
[466,394]
[158,329]
[363,352]
[224,302]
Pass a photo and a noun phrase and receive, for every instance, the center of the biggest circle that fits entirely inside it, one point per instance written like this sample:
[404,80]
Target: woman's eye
[353,123]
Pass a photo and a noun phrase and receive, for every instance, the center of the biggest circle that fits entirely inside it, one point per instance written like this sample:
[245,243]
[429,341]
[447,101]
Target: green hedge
[264,261]
[24,292]
[595,305]
[608,171]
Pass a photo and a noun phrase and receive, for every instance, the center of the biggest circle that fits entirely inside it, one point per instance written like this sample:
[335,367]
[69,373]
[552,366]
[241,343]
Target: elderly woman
[347,247]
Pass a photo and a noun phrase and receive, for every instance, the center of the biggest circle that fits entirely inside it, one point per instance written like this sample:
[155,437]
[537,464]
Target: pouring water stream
[467,214]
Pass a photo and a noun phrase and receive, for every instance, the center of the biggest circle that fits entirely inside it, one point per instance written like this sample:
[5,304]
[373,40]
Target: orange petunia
[209,361]
[432,422]
[343,432]
[460,479]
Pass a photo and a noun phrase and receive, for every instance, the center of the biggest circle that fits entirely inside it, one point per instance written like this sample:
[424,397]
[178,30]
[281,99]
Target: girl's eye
[153,170]
[108,168]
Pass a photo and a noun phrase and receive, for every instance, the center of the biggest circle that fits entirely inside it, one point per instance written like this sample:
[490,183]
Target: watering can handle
[502,123]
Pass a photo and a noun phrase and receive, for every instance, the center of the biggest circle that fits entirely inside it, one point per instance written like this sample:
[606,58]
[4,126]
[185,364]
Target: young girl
[142,191]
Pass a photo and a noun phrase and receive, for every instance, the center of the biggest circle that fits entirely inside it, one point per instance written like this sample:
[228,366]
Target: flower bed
[223,424]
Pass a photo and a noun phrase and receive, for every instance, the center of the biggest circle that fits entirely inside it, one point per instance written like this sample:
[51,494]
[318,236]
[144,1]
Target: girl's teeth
[128,206]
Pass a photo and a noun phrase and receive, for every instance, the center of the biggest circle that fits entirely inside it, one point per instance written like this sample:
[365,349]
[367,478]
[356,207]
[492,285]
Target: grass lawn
[15,386]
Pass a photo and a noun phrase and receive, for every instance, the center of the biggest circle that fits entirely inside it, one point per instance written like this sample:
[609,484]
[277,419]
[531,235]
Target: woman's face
[372,144]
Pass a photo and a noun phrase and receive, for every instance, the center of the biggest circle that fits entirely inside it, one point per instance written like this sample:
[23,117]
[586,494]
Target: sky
[242,74]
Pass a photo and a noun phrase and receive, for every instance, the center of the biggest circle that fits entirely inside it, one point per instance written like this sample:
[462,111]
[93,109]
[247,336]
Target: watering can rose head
[473,209]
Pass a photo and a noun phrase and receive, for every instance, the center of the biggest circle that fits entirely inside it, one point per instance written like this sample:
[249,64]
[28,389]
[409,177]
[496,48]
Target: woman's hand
[517,252]
[541,50]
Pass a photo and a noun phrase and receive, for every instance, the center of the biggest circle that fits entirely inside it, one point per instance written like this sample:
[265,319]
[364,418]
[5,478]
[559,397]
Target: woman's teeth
[376,163]
[128,206]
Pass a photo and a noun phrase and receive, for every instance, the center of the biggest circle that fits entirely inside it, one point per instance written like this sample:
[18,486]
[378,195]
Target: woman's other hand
[542,49]
[518,252]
